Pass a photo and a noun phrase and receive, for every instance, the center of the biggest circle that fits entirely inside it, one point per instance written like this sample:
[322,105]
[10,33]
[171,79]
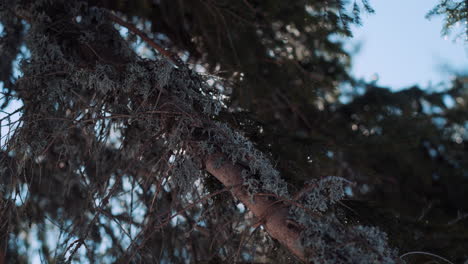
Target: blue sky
[404,48]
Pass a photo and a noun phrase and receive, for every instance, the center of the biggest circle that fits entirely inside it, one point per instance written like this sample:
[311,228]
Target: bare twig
[169,55]
[460,217]
[425,253]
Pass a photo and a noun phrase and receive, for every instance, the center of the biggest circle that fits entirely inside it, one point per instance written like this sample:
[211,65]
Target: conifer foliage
[126,152]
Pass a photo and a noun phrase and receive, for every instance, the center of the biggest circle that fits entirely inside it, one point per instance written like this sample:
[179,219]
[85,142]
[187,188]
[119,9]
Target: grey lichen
[260,175]
[73,96]
[327,240]
[323,193]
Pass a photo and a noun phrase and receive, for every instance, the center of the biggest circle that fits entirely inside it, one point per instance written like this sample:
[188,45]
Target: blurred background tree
[279,67]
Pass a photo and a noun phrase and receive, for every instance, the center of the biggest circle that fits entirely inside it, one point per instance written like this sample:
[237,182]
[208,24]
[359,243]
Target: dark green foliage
[264,48]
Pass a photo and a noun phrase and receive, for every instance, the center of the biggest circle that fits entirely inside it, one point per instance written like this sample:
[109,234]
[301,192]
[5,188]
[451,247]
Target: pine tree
[455,15]
[212,131]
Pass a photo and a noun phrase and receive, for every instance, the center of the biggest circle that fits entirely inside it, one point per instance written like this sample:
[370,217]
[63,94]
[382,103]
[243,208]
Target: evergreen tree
[213,131]
[455,15]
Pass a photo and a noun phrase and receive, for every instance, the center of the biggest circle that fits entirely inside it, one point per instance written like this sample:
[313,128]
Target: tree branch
[274,214]
[165,53]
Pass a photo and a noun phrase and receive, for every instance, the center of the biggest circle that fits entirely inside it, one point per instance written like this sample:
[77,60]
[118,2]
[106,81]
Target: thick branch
[274,215]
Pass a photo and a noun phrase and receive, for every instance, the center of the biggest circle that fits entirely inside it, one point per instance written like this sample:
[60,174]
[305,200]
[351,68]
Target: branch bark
[272,214]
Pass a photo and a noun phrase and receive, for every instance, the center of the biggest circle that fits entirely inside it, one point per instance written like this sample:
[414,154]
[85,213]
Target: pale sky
[404,48]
